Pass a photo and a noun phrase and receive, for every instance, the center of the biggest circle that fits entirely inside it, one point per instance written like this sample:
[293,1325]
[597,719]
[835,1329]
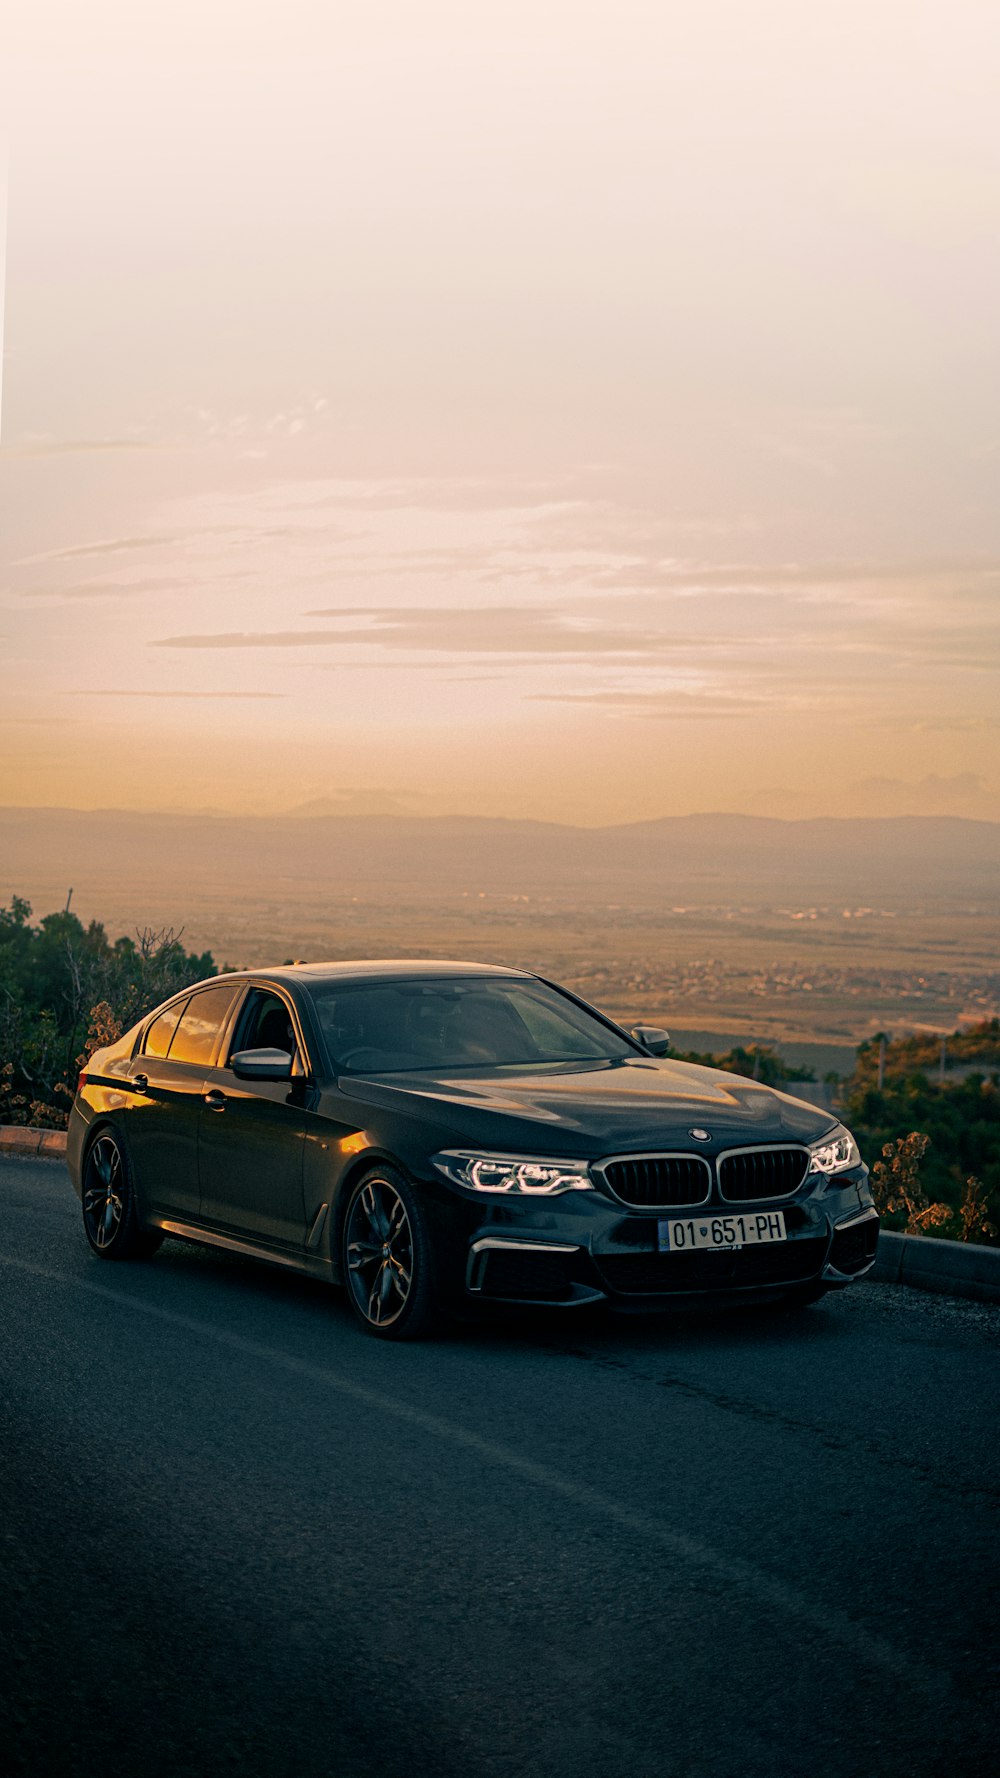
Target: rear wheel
[387,1257]
[109,1212]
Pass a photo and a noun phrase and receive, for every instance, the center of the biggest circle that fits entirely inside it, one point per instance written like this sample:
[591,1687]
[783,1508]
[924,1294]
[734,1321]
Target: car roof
[364,969]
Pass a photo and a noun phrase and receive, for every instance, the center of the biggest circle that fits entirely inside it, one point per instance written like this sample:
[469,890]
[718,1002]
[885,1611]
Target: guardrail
[21,1139]
[953,1268]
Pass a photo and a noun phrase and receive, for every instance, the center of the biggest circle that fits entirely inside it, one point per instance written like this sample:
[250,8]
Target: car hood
[593,1109]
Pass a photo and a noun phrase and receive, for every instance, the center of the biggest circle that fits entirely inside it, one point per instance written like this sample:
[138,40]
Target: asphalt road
[239,1536]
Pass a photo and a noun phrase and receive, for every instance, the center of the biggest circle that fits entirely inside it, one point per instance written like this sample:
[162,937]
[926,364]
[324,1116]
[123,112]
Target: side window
[197,1034]
[162,1029]
[265,1024]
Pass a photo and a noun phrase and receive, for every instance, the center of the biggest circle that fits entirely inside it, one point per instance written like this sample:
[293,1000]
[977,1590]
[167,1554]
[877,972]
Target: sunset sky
[585,412]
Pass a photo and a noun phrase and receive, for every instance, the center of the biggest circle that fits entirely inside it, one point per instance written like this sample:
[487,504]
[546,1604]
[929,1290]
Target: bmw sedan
[436,1135]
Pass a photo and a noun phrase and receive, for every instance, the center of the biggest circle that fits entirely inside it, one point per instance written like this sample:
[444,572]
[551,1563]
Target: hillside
[703,860]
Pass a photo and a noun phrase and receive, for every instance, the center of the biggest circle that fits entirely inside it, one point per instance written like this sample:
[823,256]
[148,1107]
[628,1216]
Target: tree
[960,1116]
[759,1062]
[64,989]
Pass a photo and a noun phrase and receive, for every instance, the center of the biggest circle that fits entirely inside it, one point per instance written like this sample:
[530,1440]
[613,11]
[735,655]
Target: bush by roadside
[756,1062]
[933,1144]
[66,990]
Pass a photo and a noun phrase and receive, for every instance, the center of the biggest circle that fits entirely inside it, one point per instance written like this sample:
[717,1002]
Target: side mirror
[262,1065]
[655,1041]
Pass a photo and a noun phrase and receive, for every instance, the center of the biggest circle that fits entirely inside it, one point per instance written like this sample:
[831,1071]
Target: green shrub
[959,1166]
[65,990]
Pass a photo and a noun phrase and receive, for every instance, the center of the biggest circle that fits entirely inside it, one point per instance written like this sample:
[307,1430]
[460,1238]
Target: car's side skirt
[312,1264]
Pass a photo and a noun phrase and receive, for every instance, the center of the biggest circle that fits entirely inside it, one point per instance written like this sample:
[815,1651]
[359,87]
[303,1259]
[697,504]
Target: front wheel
[387,1257]
[109,1212]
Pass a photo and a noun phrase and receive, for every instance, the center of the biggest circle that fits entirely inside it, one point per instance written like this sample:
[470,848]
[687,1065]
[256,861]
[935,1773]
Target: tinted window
[198,1031]
[474,1023]
[161,1030]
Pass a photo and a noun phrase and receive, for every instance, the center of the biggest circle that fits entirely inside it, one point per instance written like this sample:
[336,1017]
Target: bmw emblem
[700,1135]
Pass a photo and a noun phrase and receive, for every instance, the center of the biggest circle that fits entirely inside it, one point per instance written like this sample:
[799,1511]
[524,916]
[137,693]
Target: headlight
[511,1173]
[835,1153]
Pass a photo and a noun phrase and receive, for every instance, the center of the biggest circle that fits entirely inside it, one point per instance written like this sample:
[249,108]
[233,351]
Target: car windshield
[479,1022]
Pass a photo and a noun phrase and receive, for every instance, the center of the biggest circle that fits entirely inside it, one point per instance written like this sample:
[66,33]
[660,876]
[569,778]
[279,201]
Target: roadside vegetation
[65,990]
[931,1132]
[758,1062]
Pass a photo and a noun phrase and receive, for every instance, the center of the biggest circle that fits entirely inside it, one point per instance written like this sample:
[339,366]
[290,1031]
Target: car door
[252,1133]
[167,1086]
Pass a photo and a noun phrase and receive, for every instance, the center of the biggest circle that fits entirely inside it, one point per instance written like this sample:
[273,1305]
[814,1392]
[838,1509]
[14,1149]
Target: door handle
[215,1101]
[140,1083]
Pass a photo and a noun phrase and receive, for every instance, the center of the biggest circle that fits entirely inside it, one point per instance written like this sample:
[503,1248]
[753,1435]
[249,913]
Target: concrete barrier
[953,1268]
[20,1139]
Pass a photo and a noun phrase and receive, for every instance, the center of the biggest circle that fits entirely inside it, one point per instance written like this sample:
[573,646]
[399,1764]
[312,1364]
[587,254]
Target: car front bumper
[581,1247]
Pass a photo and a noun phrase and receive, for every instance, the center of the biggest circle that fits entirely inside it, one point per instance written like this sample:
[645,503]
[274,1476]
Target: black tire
[387,1258]
[110,1219]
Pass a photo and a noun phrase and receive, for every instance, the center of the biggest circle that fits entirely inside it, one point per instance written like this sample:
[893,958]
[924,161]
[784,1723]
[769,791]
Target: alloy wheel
[379,1247]
[104,1192]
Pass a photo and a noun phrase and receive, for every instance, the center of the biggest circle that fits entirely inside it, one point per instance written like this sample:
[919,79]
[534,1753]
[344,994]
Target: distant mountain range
[733,860]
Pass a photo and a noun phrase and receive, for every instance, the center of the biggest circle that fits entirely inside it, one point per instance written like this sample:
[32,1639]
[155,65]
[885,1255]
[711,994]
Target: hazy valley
[816,931]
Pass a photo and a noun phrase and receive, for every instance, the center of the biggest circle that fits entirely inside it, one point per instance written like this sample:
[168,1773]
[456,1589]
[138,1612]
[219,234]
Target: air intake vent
[756,1175]
[854,1248]
[656,1181]
[530,1276]
[652,1274]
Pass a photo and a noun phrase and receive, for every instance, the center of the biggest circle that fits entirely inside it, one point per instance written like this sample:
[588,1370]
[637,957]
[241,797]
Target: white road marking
[770,1593]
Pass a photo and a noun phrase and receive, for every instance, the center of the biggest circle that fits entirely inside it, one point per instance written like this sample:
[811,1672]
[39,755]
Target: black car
[440,1134]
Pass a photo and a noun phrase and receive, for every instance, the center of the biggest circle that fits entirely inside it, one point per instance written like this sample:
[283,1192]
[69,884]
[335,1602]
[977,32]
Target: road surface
[239,1536]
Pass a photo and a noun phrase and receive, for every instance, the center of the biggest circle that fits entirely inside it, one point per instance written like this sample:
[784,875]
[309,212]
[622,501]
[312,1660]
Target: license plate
[725,1232]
